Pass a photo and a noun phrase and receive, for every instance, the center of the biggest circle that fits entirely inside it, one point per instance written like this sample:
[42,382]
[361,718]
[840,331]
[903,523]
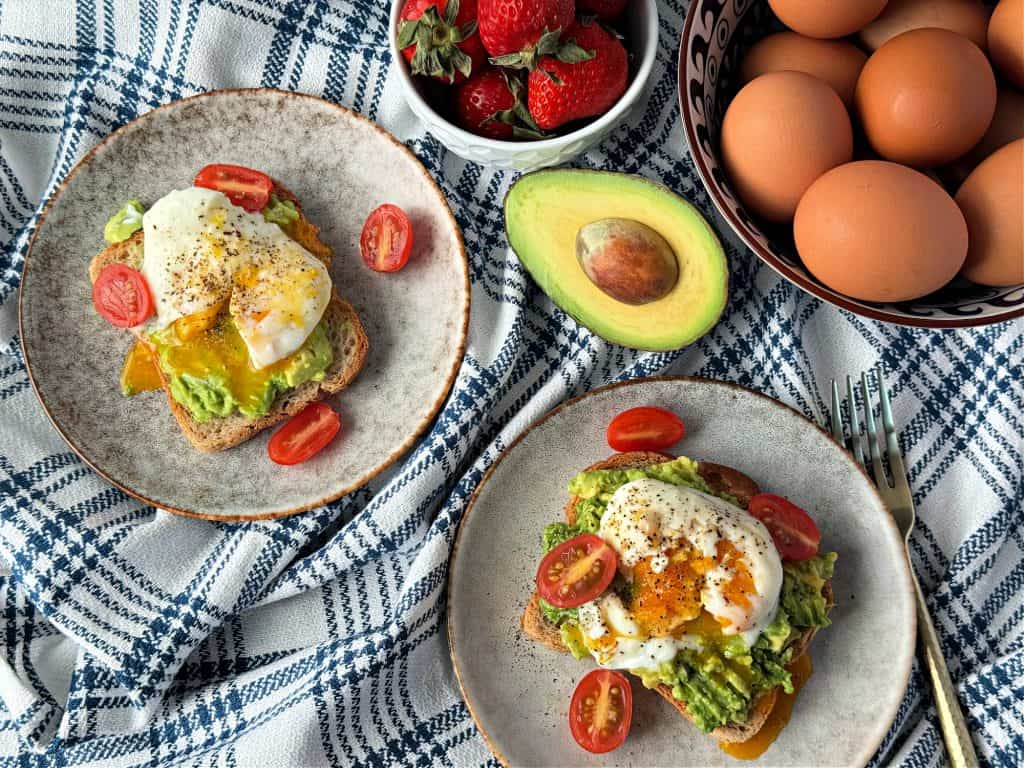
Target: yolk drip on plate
[751,749]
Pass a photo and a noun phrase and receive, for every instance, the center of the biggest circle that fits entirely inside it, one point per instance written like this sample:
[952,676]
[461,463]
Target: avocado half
[545,209]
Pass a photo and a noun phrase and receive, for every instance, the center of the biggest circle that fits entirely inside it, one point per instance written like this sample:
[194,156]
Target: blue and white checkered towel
[132,637]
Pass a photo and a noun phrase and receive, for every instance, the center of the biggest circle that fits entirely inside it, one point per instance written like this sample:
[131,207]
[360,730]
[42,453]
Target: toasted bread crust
[540,629]
[348,341]
[721,479]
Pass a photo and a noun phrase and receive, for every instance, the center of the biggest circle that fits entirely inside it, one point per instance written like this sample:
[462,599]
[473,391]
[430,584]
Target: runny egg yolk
[740,587]
[667,601]
[139,373]
[663,602]
[219,351]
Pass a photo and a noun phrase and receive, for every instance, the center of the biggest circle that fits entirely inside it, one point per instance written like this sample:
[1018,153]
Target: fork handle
[951,717]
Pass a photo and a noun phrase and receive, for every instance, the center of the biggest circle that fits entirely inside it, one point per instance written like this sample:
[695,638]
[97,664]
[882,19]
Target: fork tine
[855,436]
[837,415]
[873,436]
[899,471]
[887,420]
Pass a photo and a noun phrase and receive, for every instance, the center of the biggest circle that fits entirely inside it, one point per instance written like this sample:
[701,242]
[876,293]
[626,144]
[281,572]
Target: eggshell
[826,18]
[992,200]
[926,97]
[1007,125]
[878,231]
[965,17]
[836,62]
[781,132]
[1006,40]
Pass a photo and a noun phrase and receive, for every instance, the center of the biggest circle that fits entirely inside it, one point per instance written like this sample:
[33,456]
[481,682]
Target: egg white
[607,616]
[200,251]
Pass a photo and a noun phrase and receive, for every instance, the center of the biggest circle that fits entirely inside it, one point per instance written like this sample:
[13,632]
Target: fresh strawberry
[558,92]
[511,29]
[490,104]
[447,48]
[603,9]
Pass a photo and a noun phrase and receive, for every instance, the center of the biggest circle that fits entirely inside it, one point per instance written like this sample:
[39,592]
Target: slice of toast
[345,331]
[720,479]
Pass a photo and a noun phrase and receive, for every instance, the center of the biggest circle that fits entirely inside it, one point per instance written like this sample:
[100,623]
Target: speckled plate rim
[414,435]
[780,267]
[911,638]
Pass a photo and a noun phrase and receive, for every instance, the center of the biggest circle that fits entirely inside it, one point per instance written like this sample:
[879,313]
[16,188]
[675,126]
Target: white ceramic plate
[341,167]
[518,691]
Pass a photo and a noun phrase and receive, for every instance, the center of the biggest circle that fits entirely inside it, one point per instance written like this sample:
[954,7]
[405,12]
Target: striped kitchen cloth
[132,637]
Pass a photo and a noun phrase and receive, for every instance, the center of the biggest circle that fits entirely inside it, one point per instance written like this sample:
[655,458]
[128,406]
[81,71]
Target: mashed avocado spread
[719,681]
[280,212]
[210,373]
[124,223]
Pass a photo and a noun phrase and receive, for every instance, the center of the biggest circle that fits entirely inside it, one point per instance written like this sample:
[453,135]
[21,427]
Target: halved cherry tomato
[386,240]
[576,571]
[794,532]
[121,296]
[243,186]
[601,711]
[645,429]
[304,435]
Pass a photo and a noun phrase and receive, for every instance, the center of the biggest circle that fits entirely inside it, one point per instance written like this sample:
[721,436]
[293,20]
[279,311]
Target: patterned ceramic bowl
[715,36]
[641,31]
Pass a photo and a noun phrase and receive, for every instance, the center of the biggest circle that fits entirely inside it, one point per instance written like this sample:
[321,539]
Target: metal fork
[900,502]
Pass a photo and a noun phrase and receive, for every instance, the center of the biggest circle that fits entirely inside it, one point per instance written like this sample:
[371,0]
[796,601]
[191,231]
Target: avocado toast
[341,350]
[702,685]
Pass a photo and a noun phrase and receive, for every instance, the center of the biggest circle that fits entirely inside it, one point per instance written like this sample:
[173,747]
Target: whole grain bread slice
[721,479]
[344,330]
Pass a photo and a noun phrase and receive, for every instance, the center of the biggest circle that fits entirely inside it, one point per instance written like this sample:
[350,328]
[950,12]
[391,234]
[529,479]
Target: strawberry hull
[440,39]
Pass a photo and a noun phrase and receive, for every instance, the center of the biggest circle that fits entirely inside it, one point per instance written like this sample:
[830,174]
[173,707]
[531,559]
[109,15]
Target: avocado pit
[627,260]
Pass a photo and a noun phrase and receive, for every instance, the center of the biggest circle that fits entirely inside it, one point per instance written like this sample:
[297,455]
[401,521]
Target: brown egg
[836,62]
[781,132]
[926,97]
[826,18]
[1007,125]
[1006,40]
[992,200]
[879,231]
[965,17]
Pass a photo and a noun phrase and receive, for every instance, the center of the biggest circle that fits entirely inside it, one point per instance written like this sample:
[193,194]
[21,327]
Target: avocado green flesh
[544,211]
[124,223]
[214,380]
[719,681]
[280,212]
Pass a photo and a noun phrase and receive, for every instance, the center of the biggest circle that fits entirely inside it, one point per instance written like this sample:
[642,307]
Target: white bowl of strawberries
[523,84]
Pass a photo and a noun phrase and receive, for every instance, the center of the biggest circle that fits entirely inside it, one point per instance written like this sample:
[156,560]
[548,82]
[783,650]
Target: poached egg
[201,253]
[699,568]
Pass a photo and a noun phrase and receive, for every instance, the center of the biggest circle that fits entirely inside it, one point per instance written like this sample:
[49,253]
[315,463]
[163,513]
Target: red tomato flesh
[386,240]
[601,711]
[794,532]
[304,435]
[576,571]
[243,186]
[121,296]
[645,429]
